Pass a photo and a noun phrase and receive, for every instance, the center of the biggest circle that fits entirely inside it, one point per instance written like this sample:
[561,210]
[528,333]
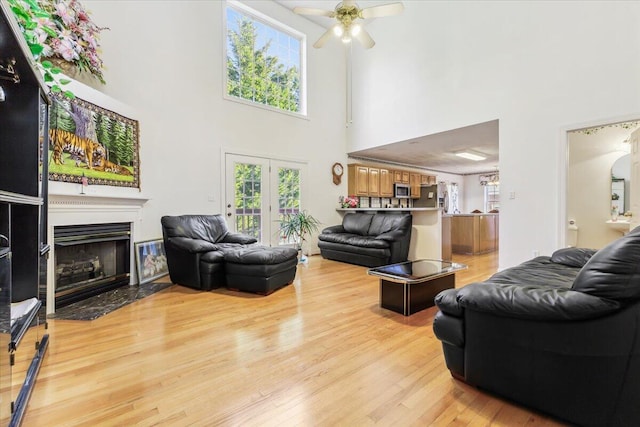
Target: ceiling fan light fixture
[346,13]
[476,157]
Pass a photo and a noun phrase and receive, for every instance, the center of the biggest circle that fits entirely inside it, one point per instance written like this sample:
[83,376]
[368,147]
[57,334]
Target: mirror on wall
[620,183]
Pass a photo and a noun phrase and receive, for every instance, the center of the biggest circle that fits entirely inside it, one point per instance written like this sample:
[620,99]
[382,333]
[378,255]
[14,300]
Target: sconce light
[2,95]
[8,72]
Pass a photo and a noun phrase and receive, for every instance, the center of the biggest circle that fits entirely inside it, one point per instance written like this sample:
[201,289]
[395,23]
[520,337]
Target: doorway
[259,192]
[593,175]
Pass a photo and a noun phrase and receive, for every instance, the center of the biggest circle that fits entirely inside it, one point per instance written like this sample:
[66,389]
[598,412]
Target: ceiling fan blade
[382,10]
[365,39]
[323,38]
[311,11]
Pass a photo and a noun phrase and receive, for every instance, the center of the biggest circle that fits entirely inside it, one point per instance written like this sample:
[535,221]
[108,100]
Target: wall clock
[337,171]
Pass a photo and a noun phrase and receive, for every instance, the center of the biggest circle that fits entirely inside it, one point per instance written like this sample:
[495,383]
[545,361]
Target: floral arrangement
[59,30]
[350,202]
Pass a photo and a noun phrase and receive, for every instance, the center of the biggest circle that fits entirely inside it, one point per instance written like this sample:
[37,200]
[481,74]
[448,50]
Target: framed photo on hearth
[151,260]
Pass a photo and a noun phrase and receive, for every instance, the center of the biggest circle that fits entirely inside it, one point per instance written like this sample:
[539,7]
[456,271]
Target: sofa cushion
[614,271]
[261,255]
[355,240]
[383,223]
[573,257]
[211,228]
[357,223]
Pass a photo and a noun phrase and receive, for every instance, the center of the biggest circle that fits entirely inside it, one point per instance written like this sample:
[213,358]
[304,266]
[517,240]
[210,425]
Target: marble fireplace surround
[67,208]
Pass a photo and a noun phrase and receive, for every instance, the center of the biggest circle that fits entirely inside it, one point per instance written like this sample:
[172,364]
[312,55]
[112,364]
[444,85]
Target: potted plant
[296,226]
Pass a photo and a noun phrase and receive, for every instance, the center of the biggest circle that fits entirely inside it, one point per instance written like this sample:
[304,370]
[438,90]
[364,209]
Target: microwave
[401,191]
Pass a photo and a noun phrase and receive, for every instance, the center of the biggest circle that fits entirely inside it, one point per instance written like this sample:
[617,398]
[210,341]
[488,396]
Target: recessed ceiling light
[471,156]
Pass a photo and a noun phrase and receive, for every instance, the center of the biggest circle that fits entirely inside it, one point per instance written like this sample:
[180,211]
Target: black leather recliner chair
[369,239]
[195,247]
[558,334]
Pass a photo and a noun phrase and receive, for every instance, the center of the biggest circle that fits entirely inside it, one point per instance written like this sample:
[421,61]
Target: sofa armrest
[191,245]
[533,302]
[333,229]
[573,257]
[239,238]
[447,302]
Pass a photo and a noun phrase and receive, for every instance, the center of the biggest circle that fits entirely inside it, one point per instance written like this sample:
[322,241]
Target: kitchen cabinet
[358,180]
[401,177]
[386,183]
[414,181]
[428,180]
[374,182]
[474,234]
[23,214]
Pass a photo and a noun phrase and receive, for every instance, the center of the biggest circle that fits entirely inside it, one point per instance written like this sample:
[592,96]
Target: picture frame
[91,145]
[151,260]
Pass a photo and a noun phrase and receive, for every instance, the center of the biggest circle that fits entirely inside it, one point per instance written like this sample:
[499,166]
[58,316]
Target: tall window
[265,60]
[491,197]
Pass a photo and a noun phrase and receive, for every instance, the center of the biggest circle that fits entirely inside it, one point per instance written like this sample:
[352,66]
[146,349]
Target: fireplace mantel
[66,208]
[57,199]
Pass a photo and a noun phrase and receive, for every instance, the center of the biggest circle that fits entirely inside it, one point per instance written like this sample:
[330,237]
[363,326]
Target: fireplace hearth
[90,259]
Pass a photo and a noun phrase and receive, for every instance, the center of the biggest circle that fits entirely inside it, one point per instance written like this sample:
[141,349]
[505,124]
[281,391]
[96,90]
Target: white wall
[164,59]
[538,67]
[473,194]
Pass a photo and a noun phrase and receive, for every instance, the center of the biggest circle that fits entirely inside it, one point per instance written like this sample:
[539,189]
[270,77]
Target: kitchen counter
[387,209]
[473,214]
[474,233]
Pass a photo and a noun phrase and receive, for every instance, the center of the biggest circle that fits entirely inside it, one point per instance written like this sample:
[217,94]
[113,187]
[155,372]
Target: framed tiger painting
[91,145]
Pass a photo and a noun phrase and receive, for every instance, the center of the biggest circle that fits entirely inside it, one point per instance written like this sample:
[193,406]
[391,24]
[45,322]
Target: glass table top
[416,271]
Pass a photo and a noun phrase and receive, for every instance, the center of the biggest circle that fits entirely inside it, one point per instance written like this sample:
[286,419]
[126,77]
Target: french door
[259,192]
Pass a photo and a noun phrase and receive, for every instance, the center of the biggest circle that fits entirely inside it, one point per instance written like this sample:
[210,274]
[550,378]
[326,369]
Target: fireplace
[90,259]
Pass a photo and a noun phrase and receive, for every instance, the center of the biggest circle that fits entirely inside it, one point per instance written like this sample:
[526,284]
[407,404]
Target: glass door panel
[287,179]
[248,195]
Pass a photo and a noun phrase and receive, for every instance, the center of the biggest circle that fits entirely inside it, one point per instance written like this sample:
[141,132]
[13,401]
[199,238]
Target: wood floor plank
[318,352]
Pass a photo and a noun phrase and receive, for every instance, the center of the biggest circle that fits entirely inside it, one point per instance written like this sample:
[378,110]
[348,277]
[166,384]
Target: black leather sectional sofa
[558,334]
[369,239]
[203,254]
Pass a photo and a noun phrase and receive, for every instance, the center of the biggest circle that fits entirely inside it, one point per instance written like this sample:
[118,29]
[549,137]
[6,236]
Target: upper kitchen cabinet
[386,183]
[358,180]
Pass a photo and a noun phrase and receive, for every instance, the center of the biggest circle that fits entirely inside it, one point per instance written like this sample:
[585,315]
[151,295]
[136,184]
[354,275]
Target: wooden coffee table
[411,286]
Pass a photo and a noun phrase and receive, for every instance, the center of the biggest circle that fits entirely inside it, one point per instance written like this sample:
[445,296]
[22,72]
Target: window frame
[489,204]
[277,26]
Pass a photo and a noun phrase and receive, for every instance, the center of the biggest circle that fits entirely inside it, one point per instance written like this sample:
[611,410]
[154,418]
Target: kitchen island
[474,233]
[426,230]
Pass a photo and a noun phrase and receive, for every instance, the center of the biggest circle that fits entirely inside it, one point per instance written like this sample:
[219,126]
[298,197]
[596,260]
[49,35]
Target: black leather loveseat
[369,239]
[558,334]
[203,254]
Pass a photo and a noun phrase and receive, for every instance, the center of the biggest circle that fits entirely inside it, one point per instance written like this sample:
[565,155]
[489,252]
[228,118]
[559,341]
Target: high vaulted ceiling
[436,151]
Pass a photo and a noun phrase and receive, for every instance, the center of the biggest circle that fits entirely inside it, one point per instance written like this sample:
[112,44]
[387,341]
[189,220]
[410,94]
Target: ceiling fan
[347,13]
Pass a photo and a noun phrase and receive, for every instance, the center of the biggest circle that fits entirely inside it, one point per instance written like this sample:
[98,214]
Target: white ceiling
[436,151]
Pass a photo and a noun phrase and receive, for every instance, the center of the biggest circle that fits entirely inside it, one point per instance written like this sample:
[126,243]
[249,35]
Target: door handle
[229,205]
[228,213]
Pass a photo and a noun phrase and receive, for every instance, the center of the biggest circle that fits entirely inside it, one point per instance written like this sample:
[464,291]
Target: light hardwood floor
[320,352]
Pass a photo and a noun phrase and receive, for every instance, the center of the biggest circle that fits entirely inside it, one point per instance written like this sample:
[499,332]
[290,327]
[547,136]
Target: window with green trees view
[264,60]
